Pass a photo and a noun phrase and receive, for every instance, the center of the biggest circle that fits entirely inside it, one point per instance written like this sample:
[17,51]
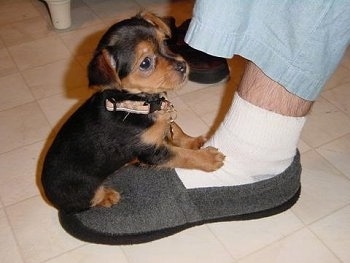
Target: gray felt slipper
[156,204]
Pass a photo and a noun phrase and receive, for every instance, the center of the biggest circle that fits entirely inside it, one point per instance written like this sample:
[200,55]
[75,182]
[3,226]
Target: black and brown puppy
[128,120]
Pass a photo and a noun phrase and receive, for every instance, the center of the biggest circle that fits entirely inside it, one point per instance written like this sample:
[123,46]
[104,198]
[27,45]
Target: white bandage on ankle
[258,144]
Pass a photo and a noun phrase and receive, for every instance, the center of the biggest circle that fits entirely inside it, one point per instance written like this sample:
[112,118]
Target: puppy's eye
[146,64]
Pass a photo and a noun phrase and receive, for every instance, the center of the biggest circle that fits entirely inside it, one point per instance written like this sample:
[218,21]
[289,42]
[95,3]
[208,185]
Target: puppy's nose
[181,66]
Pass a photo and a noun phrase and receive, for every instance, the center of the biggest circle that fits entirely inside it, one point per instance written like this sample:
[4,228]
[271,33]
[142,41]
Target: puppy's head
[132,56]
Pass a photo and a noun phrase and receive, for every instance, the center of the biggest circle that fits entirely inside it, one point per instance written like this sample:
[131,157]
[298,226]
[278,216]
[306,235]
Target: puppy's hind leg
[105,197]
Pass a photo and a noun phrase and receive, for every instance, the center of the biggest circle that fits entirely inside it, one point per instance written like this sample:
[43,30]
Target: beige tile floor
[42,77]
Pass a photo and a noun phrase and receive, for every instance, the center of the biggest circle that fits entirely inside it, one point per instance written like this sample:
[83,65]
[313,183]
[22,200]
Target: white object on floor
[60,13]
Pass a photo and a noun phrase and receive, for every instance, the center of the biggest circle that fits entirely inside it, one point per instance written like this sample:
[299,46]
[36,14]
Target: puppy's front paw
[212,159]
[106,197]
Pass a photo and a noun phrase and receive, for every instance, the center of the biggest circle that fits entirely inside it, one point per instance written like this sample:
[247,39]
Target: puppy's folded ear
[102,70]
[157,22]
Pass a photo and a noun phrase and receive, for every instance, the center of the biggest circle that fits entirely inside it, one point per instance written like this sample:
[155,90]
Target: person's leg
[262,91]
[295,49]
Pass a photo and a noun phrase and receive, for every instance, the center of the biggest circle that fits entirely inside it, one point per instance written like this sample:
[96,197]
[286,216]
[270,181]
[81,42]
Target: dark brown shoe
[204,68]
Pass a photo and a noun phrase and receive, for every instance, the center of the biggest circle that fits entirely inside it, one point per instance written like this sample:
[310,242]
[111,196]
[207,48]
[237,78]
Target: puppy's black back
[91,145]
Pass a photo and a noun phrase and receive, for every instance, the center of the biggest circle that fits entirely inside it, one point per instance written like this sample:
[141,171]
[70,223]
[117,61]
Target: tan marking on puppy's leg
[207,159]
[159,130]
[179,138]
[105,196]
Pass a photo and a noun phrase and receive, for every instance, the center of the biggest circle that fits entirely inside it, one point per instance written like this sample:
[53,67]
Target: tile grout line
[13,233]
[319,238]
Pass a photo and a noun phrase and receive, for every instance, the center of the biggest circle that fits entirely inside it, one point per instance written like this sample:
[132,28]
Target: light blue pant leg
[297,43]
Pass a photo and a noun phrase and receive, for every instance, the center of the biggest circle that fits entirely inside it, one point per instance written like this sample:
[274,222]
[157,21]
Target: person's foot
[258,144]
